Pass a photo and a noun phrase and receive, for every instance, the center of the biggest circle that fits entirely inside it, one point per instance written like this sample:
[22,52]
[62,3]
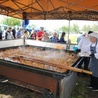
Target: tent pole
[69,18]
[68,41]
[24,17]
[68,28]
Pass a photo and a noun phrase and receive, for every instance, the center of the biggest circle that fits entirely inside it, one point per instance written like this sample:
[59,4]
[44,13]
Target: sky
[54,24]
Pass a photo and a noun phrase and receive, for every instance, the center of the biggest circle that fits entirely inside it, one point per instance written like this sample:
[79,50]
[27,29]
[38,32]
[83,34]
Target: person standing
[62,38]
[46,37]
[84,42]
[92,49]
[81,37]
[8,34]
[40,33]
[33,35]
[4,33]
[55,38]
[0,33]
[19,33]
[26,34]
[14,32]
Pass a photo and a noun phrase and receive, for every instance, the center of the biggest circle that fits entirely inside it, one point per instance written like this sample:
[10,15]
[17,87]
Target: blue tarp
[25,23]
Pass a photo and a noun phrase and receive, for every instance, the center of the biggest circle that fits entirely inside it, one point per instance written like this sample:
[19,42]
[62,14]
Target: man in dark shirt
[14,32]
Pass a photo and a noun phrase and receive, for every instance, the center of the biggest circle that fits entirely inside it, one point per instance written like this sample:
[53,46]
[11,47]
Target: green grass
[81,91]
[73,38]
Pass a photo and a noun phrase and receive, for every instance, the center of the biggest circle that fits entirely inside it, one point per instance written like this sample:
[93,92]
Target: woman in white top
[92,50]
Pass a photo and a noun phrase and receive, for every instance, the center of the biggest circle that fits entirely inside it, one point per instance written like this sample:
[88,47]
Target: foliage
[31,26]
[11,21]
[56,30]
[75,28]
[72,37]
[95,27]
[86,28]
[64,28]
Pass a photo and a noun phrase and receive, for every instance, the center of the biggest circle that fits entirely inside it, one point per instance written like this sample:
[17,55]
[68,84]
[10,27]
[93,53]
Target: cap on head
[94,35]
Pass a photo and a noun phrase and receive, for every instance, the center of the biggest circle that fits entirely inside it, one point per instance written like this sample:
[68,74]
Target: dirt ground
[8,90]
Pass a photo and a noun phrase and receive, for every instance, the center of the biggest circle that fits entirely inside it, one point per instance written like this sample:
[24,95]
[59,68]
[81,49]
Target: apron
[94,61]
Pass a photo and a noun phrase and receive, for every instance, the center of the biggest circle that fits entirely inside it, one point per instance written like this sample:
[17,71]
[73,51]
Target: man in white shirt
[81,37]
[84,42]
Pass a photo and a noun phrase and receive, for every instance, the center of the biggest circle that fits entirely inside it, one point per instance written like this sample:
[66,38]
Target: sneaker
[89,86]
[94,89]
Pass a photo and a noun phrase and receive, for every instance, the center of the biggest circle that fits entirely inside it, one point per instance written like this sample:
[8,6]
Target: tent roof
[50,9]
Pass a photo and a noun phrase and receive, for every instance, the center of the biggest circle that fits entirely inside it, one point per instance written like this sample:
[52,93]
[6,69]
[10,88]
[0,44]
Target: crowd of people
[44,36]
[11,33]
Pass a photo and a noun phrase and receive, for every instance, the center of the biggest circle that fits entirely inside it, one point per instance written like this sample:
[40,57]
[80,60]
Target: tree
[95,26]
[86,28]
[11,21]
[74,28]
[64,28]
[31,26]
